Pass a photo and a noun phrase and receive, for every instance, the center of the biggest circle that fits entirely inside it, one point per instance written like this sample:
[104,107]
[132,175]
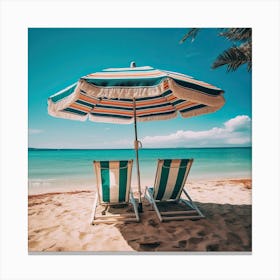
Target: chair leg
[198,215]
[192,204]
[132,200]
[151,199]
[94,209]
[147,196]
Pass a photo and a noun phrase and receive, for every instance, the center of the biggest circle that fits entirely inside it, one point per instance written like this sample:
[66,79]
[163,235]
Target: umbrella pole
[136,147]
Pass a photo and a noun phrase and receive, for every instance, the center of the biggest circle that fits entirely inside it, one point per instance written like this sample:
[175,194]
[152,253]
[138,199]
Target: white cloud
[35,131]
[236,131]
[238,123]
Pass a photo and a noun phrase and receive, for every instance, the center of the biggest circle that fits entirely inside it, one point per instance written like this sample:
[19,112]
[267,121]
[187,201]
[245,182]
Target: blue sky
[58,57]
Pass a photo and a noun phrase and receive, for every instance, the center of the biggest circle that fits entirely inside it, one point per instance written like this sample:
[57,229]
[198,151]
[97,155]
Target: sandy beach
[60,222]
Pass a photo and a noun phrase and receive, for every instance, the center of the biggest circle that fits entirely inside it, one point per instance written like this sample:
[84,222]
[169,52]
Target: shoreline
[66,188]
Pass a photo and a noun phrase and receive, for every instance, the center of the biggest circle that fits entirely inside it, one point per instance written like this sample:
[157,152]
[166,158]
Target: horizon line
[216,147]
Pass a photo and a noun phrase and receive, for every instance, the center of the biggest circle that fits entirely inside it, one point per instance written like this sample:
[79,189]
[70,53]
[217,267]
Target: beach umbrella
[135,94]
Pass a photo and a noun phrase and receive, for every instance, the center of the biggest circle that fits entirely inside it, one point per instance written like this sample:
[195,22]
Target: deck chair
[170,179]
[113,189]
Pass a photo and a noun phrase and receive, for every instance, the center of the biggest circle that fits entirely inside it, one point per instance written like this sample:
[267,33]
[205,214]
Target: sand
[60,222]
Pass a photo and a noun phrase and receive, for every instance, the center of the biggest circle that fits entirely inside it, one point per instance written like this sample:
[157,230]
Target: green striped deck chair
[113,180]
[171,176]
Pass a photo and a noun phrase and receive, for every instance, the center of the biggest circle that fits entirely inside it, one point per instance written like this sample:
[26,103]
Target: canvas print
[139,140]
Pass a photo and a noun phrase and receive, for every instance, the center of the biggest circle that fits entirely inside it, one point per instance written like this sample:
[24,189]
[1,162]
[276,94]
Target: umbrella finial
[132,64]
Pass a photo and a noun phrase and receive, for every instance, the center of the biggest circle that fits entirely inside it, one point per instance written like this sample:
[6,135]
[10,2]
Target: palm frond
[237,34]
[191,34]
[234,57]
[240,53]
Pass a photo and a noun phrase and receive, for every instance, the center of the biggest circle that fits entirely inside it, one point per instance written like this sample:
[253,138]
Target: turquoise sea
[73,169]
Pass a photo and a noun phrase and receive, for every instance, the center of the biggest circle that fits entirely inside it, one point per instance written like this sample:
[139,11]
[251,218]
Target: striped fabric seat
[113,187]
[169,184]
[113,180]
[171,178]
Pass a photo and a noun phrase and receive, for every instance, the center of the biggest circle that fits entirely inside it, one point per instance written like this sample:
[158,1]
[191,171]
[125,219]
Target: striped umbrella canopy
[127,95]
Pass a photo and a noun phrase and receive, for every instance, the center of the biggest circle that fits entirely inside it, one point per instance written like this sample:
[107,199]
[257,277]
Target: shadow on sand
[226,228]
